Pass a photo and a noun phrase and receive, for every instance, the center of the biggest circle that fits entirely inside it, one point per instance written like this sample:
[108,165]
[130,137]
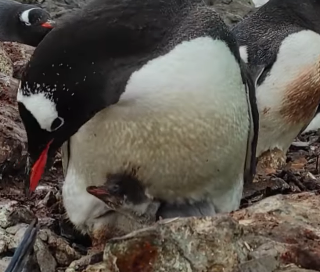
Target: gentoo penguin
[151,88]
[27,24]
[20,258]
[283,36]
[124,194]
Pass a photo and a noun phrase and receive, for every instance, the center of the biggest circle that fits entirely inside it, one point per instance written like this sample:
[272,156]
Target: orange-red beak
[47,25]
[38,168]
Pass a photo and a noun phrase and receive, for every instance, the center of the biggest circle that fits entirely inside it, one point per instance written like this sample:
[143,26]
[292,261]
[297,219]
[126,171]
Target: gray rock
[45,260]
[280,233]
[6,208]
[232,11]
[63,253]
[17,233]
[4,262]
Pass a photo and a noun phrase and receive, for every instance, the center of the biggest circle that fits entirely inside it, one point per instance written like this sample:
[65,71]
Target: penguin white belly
[181,127]
[289,96]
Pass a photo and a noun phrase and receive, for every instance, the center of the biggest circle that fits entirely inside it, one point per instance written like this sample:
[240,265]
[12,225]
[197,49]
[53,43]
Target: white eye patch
[43,110]
[24,17]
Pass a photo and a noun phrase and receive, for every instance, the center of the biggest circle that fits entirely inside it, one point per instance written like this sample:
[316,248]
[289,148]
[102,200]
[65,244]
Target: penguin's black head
[51,114]
[84,65]
[33,24]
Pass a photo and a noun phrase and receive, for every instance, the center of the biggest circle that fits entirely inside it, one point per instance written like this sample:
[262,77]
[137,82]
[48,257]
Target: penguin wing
[250,80]
[23,251]
[65,156]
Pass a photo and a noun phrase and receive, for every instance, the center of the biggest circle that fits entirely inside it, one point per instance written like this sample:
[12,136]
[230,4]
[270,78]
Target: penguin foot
[94,254]
[82,263]
[270,161]
[99,237]
[198,209]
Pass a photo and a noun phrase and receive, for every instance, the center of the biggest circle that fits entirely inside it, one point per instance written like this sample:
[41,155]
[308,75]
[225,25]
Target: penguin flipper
[65,156]
[251,80]
[23,251]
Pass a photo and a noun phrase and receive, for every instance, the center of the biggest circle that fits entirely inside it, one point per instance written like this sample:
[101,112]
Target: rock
[280,233]
[63,252]
[4,262]
[6,208]
[12,134]
[21,214]
[4,241]
[232,11]
[6,66]
[17,233]
[19,55]
[48,200]
[44,258]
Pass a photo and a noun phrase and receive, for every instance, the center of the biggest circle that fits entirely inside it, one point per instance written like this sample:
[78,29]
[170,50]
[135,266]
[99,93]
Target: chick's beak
[38,167]
[99,192]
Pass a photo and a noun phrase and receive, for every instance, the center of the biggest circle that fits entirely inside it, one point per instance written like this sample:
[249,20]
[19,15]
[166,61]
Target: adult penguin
[27,24]
[283,36]
[149,88]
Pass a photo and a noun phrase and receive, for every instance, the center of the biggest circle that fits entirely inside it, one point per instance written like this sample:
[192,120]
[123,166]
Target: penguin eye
[114,188]
[58,122]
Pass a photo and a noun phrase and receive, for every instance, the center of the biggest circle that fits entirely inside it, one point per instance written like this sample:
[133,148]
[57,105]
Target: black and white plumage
[146,86]
[27,24]
[283,36]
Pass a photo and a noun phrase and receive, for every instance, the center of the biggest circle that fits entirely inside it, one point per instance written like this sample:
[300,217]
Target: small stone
[3,246]
[6,207]
[45,260]
[63,253]
[19,231]
[48,200]
[21,215]
[4,262]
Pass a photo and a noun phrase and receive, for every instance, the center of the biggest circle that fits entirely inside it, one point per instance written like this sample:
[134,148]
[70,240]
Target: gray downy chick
[125,194]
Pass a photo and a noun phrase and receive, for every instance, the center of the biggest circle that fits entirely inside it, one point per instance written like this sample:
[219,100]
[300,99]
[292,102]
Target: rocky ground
[276,229]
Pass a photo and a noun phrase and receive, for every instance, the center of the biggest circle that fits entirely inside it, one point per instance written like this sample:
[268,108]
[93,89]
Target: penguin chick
[27,24]
[159,89]
[124,194]
[283,36]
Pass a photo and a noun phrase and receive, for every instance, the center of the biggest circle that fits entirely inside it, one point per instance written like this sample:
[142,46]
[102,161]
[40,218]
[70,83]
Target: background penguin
[283,36]
[159,92]
[124,194]
[27,24]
